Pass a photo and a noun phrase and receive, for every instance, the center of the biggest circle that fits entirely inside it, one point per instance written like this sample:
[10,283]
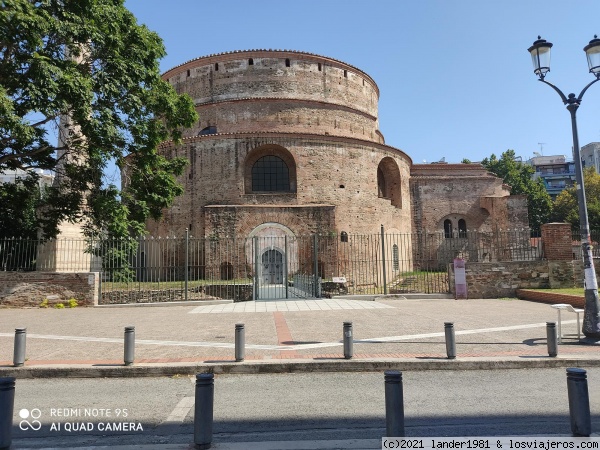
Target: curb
[297,366]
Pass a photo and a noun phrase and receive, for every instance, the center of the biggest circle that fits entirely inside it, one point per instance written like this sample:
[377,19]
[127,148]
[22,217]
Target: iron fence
[150,269]
[576,243]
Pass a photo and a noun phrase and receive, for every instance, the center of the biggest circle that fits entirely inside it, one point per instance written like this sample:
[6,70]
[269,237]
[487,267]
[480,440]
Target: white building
[590,155]
[10,176]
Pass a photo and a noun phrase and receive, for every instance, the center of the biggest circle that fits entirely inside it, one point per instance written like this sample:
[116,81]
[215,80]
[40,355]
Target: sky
[455,77]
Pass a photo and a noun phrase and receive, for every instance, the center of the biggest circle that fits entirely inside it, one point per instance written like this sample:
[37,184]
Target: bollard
[394,404]
[129,345]
[450,340]
[579,402]
[551,339]
[348,343]
[240,341]
[203,410]
[7,404]
[20,341]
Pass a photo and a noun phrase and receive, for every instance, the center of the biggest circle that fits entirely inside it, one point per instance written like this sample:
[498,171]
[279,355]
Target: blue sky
[455,77]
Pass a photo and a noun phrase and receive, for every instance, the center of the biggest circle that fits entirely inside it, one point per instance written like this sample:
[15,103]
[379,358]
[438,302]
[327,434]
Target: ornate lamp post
[540,55]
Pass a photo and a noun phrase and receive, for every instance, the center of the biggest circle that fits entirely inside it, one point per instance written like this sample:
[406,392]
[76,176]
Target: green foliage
[466,161]
[519,177]
[88,61]
[59,306]
[72,303]
[20,201]
[44,303]
[566,206]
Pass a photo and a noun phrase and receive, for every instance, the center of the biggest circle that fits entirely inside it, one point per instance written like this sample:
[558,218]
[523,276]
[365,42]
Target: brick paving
[402,329]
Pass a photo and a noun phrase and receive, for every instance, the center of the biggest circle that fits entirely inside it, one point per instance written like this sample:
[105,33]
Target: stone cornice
[278,134]
[263,53]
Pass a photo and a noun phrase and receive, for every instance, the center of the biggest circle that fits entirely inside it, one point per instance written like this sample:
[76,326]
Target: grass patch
[571,291]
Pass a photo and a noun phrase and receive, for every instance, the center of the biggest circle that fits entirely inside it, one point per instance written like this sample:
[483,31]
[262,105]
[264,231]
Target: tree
[566,206]
[519,177]
[89,63]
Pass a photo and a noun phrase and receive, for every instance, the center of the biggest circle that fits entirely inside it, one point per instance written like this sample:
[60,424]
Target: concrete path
[289,335]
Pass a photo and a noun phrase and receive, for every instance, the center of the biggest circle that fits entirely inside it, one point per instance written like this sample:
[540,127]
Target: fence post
[450,340]
[316,264]
[187,262]
[7,405]
[203,410]
[394,404]
[256,269]
[19,346]
[129,345]
[551,339]
[383,261]
[240,341]
[348,340]
[579,402]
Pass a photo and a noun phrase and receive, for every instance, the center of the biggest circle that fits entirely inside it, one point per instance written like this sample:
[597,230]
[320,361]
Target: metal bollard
[348,343]
[20,341]
[394,404]
[240,341]
[551,339]
[579,402]
[203,410]
[450,340]
[7,405]
[129,345]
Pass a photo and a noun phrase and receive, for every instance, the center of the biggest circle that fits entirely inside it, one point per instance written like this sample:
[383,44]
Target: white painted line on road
[476,331]
[180,411]
[285,347]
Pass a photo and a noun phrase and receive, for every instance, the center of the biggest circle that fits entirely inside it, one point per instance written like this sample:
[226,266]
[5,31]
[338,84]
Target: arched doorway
[272,267]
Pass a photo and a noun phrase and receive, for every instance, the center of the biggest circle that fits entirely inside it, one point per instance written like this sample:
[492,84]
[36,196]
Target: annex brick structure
[288,144]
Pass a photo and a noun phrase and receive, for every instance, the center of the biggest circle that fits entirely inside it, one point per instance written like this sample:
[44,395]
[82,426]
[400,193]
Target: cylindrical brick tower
[287,142]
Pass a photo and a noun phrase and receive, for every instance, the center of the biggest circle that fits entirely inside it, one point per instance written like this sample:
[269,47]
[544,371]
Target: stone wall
[557,241]
[502,279]
[32,288]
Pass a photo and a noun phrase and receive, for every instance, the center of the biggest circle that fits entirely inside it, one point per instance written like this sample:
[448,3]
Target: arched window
[447,228]
[208,130]
[270,174]
[462,228]
[381,189]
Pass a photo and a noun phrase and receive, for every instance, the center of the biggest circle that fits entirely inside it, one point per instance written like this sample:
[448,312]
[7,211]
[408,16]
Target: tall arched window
[270,174]
[462,228]
[447,228]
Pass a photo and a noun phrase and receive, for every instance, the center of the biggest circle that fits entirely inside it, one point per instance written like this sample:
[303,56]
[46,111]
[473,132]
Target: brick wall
[557,241]
[31,288]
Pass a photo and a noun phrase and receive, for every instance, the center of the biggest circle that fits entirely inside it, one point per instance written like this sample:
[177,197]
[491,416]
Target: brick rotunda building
[288,144]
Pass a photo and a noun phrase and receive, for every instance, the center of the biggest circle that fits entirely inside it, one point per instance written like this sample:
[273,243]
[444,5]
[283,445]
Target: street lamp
[540,56]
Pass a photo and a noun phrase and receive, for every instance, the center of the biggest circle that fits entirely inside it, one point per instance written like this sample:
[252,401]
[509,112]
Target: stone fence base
[502,279]
[19,289]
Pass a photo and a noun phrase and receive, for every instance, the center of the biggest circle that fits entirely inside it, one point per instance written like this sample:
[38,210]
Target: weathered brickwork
[453,192]
[557,241]
[31,288]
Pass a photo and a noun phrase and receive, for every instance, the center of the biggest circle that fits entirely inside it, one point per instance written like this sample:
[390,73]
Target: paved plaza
[394,330]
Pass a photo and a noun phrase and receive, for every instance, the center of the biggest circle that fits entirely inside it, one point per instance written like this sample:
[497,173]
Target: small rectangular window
[251,62]
[188,73]
[320,67]
[345,74]
[287,62]
[216,66]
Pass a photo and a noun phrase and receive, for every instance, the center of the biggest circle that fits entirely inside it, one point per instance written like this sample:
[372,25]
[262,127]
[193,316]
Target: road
[314,406]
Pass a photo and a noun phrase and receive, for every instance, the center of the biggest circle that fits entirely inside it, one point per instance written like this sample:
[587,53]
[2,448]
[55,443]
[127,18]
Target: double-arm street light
[540,55]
